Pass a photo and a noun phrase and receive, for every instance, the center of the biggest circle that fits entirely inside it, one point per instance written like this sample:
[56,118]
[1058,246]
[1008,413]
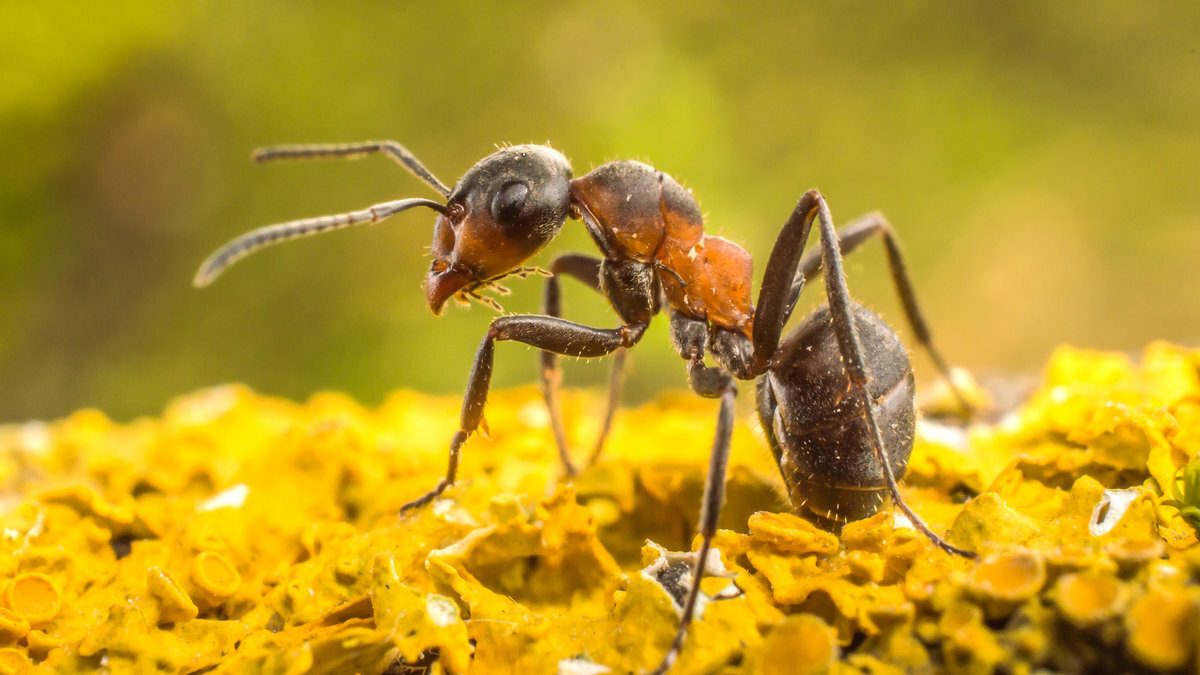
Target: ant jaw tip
[443,285]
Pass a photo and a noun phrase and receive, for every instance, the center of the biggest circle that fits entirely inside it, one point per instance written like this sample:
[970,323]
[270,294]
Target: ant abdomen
[817,427]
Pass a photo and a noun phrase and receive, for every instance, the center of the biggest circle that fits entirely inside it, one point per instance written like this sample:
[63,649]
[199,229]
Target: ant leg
[547,333]
[392,149]
[777,296]
[844,327]
[587,270]
[710,383]
[851,237]
[616,377]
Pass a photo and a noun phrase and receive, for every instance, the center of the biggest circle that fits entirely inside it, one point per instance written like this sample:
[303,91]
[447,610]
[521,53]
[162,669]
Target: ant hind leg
[850,238]
[777,294]
[787,272]
[850,346]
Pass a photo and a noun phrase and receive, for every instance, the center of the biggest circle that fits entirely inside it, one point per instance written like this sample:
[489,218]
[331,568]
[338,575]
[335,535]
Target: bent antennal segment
[392,149]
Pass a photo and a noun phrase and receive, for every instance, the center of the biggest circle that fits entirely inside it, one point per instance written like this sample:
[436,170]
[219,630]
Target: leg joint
[709,382]
[632,333]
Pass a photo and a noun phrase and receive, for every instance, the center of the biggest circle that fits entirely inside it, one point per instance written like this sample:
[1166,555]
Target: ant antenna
[353,151]
[273,234]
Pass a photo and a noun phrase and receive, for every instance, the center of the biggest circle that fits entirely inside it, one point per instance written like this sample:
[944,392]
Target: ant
[835,397]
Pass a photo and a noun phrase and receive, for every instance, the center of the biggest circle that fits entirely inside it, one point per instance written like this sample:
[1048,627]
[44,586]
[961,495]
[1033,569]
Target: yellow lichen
[1000,582]
[238,533]
[215,577]
[1090,597]
[34,597]
[1162,629]
[175,603]
[13,661]
[13,626]
[801,644]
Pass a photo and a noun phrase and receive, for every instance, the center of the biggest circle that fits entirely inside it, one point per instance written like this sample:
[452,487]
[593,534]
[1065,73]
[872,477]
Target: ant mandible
[835,398]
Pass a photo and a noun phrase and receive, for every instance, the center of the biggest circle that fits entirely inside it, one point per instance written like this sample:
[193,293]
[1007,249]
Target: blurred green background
[1039,160]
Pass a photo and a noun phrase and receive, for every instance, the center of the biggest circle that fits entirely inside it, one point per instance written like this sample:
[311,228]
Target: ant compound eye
[507,203]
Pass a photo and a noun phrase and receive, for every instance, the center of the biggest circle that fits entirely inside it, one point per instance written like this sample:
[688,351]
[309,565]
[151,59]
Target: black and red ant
[835,398]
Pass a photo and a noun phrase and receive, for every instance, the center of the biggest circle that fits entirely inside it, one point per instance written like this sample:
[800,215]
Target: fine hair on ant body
[835,397]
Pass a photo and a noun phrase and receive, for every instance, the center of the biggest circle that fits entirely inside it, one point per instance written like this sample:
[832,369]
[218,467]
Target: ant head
[501,212]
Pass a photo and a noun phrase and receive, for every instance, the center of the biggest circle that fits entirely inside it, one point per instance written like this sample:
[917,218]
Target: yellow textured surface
[244,534]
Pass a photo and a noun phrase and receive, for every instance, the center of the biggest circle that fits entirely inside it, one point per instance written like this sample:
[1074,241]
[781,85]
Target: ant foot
[427,497]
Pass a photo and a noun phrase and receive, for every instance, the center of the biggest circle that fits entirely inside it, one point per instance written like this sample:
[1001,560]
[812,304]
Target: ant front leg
[850,238]
[850,346]
[543,332]
[587,270]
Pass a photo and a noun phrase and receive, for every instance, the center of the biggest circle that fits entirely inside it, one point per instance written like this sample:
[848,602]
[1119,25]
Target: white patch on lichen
[713,567]
[1110,509]
[460,547]
[534,415]
[581,666]
[1010,423]
[951,437]
[452,512]
[901,521]
[441,610]
[38,524]
[35,437]
[208,405]
[230,498]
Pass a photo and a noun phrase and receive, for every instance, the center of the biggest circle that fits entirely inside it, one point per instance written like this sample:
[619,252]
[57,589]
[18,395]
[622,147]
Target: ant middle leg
[542,332]
[586,269]
[850,238]
[709,383]
[854,361]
